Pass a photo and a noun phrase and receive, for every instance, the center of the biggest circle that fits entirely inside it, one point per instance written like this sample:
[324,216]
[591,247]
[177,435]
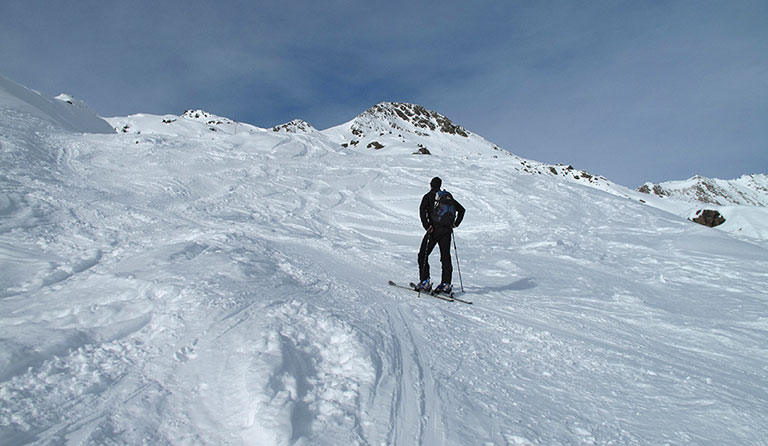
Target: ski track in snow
[233,290]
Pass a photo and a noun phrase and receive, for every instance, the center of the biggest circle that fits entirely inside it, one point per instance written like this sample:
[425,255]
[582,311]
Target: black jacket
[427,209]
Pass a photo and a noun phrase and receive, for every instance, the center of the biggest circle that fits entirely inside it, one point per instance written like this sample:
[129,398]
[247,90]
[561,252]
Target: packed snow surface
[228,287]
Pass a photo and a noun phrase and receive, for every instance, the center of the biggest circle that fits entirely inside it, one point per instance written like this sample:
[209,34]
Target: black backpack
[445,211]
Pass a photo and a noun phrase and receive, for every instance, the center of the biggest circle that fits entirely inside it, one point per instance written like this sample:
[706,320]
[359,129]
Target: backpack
[445,211]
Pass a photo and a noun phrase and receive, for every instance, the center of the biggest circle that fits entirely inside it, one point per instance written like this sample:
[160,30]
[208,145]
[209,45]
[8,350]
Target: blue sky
[633,90]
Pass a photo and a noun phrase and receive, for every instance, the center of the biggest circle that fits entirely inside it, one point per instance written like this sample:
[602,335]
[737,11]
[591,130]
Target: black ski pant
[442,238]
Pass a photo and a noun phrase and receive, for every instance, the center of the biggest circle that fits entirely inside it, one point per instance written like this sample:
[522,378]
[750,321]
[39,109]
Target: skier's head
[436,183]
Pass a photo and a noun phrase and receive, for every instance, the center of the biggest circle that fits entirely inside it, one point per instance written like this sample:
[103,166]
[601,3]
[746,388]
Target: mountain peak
[400,116]
[204,116]
[295,126]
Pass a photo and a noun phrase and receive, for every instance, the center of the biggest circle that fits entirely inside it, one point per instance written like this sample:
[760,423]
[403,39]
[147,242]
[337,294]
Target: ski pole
[458,265]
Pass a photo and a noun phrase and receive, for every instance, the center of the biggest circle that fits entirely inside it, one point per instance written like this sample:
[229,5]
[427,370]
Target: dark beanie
[436,183]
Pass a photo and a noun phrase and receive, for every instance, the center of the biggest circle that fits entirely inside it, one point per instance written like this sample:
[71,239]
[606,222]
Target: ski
[468,302]
[453,297]
[446,297]
[412,287]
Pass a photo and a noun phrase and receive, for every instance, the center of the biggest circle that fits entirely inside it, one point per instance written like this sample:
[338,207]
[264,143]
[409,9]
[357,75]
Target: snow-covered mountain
[295,126]
[404,128]
[191,123]
[749,190]
[192,280]
[742,202]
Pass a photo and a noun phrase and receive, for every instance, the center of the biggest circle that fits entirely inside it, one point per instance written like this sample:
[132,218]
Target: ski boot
[424,286]
[444,288]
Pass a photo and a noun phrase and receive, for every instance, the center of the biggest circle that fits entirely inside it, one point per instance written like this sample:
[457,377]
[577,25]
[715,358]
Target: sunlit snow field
[220,288]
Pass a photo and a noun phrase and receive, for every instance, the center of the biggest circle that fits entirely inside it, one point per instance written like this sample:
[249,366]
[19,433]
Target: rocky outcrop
[295,126]
[708,217]
[389,117]
[203,117]
[423,150]
[656,189]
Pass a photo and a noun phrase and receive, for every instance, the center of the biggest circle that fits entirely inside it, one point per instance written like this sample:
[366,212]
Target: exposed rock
[656,189]
[709,217]
[196,114]
[203,116]
[295,126]
[389,116]
[376,145]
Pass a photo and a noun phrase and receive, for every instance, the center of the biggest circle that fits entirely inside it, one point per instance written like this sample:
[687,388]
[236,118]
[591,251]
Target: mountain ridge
[409,129]
[749,190]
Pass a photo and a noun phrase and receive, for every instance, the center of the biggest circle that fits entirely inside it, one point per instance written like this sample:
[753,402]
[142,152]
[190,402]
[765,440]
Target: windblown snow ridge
[64,111]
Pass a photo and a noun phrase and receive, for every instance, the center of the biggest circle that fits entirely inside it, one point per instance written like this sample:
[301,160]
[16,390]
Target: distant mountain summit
[295,126]
[207,118]
[402,117]
[750,190]
[408,128]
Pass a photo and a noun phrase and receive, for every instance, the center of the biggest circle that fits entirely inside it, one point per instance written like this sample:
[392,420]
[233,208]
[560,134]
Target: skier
[439,214]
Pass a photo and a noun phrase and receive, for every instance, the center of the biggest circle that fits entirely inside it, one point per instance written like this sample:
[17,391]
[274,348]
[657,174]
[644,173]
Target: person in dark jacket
[438,233]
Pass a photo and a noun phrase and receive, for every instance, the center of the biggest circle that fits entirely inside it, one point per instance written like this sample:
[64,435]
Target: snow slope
[743,202]
[400,128]
[204,287]
[63,112]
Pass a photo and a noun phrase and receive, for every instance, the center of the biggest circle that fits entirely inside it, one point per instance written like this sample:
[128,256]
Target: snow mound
[747,221]
[63,112]
[191,123]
